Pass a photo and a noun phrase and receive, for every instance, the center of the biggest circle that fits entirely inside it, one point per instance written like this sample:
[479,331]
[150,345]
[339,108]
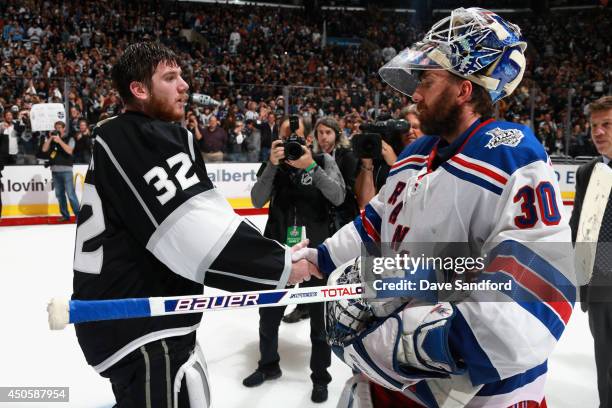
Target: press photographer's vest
[58,156]
[297,202]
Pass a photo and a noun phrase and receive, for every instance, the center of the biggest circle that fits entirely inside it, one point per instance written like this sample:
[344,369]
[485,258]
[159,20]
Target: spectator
[193,125]
[83,143]
[12,131]
[335,79]
[60,147]
[410,113]
[253,141]
[213,143]
[269,133]
[237,143]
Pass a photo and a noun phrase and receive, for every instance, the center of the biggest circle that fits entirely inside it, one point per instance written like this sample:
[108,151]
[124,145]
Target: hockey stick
[63,311]
[591,216]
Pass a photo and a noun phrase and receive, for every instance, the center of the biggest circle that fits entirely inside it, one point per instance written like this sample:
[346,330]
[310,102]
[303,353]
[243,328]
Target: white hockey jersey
[494,187]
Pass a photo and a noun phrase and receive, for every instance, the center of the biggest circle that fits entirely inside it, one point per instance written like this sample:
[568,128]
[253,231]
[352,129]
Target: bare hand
[388,153]
[277,153]
[300,245]
[304,161]
[302,271]
[367,163]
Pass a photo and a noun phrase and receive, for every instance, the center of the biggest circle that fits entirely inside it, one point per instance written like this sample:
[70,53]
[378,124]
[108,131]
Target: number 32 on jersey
[91,261]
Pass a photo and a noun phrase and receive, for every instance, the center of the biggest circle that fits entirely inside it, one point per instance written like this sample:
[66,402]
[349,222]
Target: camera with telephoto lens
[293,144]
[368,145]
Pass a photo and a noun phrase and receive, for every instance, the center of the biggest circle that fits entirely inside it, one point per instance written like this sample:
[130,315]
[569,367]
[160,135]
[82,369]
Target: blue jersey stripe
[537,264]
[504,157]
[534,305]
[411,166]
[326,265]
[373,216]
[425,395]
[513,383]
[463,343]
[361,230]
[471,178]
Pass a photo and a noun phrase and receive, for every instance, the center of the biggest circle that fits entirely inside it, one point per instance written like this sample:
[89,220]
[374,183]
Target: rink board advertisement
[27,190]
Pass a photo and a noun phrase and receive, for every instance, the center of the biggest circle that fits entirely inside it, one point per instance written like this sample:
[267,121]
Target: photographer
[331,140]
[60,149]
[301,188]
[377,152]
[193,126]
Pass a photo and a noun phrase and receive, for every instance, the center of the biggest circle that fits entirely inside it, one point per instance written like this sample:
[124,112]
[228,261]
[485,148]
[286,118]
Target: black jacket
[604,284]
[348,164]
[4,149]
[267,134]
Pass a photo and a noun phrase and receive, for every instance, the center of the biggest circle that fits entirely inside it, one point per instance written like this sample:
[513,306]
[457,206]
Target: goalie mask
[472,43]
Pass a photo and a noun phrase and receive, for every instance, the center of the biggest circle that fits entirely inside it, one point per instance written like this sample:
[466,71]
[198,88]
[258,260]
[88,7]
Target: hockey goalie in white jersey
[475,180]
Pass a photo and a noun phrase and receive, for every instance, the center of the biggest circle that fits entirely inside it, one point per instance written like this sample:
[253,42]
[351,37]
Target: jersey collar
[443,150]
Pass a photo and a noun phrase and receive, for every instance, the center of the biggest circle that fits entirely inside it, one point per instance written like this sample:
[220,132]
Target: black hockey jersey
[152,224]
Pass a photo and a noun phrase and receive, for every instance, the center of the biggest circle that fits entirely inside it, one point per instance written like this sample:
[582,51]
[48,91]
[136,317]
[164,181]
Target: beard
[442,117]
[162,109]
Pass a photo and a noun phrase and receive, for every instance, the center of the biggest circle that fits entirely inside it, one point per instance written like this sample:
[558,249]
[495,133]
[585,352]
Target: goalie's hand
[301,251]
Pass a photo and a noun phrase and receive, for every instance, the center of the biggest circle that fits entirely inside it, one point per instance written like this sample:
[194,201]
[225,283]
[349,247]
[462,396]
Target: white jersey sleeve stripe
[484,165]
[111,156]
[192,236]
[191,149]
[491,177]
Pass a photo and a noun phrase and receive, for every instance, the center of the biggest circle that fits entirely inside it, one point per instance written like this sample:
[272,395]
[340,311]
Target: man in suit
[596,296]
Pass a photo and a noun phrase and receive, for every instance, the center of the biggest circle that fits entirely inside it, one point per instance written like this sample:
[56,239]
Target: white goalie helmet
[473,43]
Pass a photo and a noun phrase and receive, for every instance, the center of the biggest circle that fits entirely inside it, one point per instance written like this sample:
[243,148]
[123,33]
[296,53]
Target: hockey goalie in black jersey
[152,224]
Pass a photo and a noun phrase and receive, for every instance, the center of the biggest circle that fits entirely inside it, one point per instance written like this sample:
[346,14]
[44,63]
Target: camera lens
[293,150]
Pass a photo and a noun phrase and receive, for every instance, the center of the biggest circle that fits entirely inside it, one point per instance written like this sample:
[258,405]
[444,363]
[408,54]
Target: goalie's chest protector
[453,201]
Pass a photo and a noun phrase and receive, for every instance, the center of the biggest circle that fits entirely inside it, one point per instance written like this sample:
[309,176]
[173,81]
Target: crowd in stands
[265,62]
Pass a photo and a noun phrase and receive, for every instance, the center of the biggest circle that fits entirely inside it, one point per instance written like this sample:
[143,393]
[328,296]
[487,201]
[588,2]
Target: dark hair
[138,63]
[481,100]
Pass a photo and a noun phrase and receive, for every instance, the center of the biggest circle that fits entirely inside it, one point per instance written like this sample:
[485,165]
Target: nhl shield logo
[507,137]
[306,179]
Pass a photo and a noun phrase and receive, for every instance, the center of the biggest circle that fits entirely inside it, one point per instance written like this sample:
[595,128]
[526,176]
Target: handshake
[304,263]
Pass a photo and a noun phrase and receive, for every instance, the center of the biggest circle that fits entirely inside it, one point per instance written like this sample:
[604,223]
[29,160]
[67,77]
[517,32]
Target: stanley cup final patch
[508,137]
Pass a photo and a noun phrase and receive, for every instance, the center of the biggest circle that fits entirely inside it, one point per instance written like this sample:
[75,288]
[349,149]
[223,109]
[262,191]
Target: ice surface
[36,264]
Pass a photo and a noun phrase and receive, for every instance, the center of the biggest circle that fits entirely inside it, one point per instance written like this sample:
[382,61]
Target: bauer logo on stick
[202,303]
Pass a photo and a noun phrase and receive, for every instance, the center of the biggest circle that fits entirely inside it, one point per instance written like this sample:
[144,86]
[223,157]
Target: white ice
[36,264]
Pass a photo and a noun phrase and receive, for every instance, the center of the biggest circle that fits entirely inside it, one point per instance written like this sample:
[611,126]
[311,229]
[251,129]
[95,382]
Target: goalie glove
[408,346]
[345,319]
